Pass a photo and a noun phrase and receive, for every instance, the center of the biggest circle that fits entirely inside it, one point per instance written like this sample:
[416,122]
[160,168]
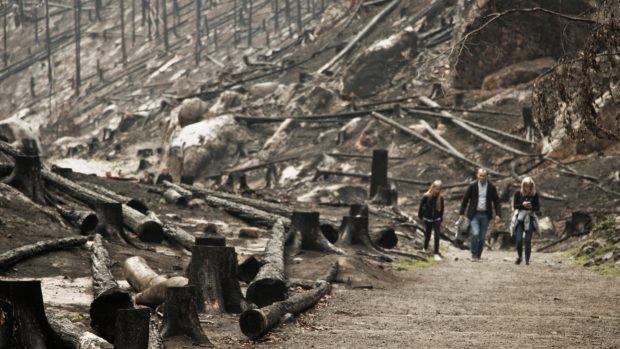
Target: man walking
[479,201]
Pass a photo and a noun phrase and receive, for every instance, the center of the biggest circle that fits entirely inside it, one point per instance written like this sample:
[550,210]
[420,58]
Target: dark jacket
[518,200]
[471,198]
[163,177]
[428,208]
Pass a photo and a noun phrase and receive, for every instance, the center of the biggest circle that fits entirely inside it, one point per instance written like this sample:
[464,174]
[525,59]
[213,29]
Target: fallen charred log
[110,220]
[109,297]
[385,238]
[24,324]
[213,270]
[248,268]
[255,323]
[150,285]
[305,233]
[269,286]
[86,221]
[181,315]
[74,337]
[13,256]
[134,203]
[171,196]
[146,229]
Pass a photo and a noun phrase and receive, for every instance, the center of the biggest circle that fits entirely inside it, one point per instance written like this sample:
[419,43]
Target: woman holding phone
[524,219]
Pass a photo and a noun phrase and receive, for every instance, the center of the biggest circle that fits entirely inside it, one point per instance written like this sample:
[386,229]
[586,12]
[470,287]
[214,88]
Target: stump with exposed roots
[305,233]
[181,316]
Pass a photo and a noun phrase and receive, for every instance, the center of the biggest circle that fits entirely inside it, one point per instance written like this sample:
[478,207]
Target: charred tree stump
[248,268]
[330,232]
[255,323]
[86,221]
[13,256]
[150,285]
[74,337]
[385,196]
[26,175]
[269,286]
[188,180]
[109,297]
[132,328]
[385,238]
[63,171]
[213,270]
[379,171]
[211,240]
[173,197]
[110,216]
[305,233]
[355,232]
[180,315]
[24,322]
[358,210]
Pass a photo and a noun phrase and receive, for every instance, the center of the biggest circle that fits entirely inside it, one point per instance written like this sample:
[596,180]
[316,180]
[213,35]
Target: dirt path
[462,304]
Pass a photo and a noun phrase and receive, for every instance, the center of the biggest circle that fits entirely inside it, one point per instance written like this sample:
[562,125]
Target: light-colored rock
[192,110]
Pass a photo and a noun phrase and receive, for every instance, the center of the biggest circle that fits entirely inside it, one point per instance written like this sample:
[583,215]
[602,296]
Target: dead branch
[13,256]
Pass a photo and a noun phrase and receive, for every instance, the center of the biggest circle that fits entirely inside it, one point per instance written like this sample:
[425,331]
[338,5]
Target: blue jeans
[519,240]
[479,224]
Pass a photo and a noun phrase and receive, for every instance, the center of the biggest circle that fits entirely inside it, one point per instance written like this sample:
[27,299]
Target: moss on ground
[408,263]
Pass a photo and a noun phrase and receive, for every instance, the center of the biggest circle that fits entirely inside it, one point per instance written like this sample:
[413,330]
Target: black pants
[519,240]
[428,226]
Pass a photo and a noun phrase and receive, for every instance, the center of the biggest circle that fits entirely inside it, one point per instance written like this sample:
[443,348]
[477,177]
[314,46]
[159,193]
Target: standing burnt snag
[181,316]
[132,328]
[26,175]
[24,324]
[380,191]
[213,270]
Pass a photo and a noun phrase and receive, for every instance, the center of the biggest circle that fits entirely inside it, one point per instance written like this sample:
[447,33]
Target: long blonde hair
[524,182]
[435,186]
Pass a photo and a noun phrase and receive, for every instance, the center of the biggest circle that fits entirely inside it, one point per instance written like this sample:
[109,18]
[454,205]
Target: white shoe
[437,258]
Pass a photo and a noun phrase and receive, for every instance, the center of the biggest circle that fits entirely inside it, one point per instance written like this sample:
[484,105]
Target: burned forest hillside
[251,173]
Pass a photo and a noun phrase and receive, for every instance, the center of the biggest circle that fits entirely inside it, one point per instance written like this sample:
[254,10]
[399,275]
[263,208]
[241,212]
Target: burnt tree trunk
[134,203]
[13,256]
[26,175]
[74,337]
[86,221]
[110,217]
[379,187]
[269,286]
[150,285]
[305,233]
[135,330]
[24,322]
[385,196]
[355,232]
[255,323]
[213,270]
[109,297]
[181,316]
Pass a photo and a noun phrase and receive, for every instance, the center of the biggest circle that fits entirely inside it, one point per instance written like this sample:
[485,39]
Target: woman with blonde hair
[524,219]
[431,213]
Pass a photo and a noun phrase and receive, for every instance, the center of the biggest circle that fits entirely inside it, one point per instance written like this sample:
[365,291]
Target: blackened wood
[26,175]
[305,233]
[385,238]
[133,22]
[132,328]
[385,196]
[156,294]
[165,24]
[73,336]
[198,38]
[378,176]
[11,257]
[255,323]
[110,217]
[248,268]
[251,10]
[358,210]
[211,240]
[66,172]
[109,297]
[181,315]
[355,232]
[86,221]
[26,325]
[269,286]
[151,286]
[48,45]
[171,196]
[147,229]
[5,52]
[330,232]
[189,180]
[134,203]
[213,270]
[299,19]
